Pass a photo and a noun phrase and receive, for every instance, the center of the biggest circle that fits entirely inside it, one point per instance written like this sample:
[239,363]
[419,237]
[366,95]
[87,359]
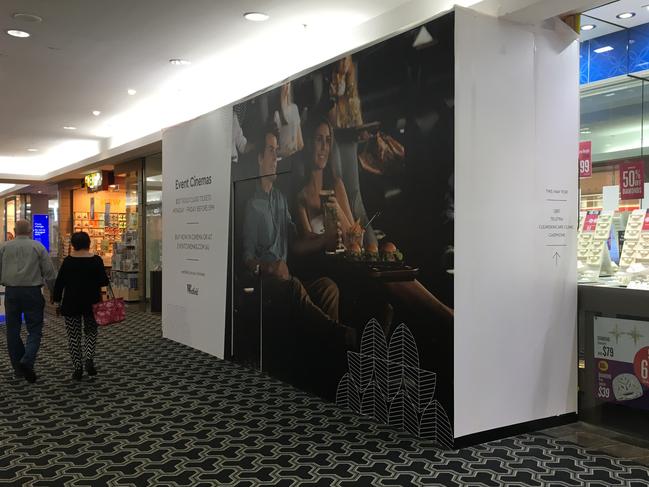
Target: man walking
[24,267]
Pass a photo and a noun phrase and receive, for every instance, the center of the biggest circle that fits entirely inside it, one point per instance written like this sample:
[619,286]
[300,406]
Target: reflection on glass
[613,225]
[153,182]
[10,218]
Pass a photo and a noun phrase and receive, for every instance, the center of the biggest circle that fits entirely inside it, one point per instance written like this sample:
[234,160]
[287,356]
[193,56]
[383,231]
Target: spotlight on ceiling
[625,15]
[256,16]
[588,27]
[18,33]
[25,17]
[131,91]
[96,113]
[69,127]
[31,149]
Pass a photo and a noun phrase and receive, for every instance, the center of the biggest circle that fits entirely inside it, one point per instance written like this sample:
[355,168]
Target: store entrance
[107,208]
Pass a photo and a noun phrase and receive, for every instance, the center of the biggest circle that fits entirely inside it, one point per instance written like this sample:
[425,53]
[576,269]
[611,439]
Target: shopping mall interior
[381,242]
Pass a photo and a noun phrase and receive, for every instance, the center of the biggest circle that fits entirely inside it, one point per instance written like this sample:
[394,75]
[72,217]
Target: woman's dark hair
[80,241]
[329,174]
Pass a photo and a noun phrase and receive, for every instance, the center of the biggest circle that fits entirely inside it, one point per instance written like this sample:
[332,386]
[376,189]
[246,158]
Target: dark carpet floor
[162,414]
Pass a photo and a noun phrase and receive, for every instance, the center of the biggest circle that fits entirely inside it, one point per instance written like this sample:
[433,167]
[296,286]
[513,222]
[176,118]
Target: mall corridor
[162,414]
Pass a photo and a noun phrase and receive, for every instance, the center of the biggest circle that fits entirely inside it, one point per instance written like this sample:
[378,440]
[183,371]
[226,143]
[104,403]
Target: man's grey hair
[23,228]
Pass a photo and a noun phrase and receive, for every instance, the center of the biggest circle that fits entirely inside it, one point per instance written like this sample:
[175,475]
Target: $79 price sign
[607,351]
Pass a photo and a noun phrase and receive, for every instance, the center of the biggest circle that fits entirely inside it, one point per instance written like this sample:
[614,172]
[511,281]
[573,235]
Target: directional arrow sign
[556,258]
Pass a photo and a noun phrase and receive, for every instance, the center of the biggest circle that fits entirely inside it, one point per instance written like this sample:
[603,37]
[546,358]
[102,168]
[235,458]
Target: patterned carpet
[162,414]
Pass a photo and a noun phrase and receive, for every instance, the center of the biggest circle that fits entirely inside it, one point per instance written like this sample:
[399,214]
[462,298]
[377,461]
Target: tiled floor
[604,440]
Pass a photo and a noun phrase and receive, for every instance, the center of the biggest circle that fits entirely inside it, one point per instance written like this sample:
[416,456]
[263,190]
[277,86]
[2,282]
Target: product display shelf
[592,251]
[104,231]
[634,260]
[125,268]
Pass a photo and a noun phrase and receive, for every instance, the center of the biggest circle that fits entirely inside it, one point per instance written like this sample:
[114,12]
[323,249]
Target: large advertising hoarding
[341,278]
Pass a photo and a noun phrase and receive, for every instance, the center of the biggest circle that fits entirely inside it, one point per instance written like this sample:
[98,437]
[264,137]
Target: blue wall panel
[595,66]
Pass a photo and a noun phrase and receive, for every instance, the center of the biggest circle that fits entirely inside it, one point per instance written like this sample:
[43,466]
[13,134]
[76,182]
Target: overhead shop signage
[585,159]
[93,181]
[98,181]
[631,180]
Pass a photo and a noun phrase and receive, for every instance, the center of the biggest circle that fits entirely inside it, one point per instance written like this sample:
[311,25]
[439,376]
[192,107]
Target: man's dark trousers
[27,301]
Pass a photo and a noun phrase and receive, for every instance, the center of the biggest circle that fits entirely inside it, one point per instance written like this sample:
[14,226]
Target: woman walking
[79,284]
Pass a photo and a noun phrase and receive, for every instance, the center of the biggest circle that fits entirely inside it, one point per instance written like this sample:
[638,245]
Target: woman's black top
[79,284]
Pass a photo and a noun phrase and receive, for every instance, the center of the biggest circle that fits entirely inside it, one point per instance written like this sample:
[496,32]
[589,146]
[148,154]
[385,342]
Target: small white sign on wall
[644,203]
[611,198]
[196,195]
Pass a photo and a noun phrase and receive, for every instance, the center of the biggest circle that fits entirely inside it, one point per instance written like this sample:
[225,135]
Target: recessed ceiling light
[610,94]
[96,113]
[131,92]
[588,27]
[180,62]
[23,17]
[69,127]
[31,149]
[604,49]
[625,15]
[18,33]
[256,16]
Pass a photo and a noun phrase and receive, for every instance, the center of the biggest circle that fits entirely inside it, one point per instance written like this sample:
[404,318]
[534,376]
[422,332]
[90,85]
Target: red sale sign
[631,180]
[590,222]
[645,224]
[585,159]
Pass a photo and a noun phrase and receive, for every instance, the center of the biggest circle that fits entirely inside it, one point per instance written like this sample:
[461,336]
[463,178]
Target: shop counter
[614,358]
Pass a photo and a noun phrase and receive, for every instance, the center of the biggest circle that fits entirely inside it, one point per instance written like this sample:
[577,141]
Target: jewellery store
[613,233]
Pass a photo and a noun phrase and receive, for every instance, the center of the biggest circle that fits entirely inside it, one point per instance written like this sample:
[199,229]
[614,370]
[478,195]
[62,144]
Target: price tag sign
[585,159]
[590,221]
[631,180]
[645,223]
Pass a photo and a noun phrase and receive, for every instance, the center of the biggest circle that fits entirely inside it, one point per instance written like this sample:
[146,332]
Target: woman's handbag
[110,311]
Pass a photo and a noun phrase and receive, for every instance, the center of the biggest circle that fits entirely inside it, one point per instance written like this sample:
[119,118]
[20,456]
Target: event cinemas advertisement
[342,216]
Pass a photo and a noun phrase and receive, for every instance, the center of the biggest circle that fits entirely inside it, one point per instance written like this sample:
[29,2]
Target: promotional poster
[341,278]
[622,361]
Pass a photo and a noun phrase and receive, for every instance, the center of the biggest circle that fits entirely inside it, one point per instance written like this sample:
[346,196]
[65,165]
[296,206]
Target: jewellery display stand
[634,260]
[592,251]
